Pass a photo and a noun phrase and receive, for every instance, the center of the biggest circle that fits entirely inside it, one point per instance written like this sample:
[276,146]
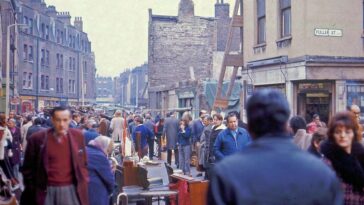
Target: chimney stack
[51,11]
[186,9]
[78,23]
[222,10]
[65,17]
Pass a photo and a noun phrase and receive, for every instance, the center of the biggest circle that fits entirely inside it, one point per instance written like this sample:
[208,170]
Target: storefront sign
[328,32]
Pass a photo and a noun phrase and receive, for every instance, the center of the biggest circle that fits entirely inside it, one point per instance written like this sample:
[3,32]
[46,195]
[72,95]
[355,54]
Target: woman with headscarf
[102,181]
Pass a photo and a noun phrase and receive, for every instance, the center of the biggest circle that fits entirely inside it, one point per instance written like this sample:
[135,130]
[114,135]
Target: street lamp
[7,97]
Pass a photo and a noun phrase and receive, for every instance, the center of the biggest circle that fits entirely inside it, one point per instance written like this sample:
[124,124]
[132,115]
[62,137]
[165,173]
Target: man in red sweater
[54,169]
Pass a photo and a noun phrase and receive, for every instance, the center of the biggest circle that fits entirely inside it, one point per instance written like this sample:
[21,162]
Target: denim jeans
[185,158]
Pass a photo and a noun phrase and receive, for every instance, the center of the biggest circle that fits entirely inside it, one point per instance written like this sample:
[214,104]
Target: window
[30,57]
[47,83]
[62,37]
[25,20]
[57,64]
[74,64]
[61,61]
[43,30]
[71,86]
[61,85]
[31,25]
[30,80]
[285,9]
[70,40]
[70,63]
[261,21]
[25,52]
[57,85]
[24,79]
[58,36]
[42,57]
[42,82]
[47,32]
[85,68]
[47,57]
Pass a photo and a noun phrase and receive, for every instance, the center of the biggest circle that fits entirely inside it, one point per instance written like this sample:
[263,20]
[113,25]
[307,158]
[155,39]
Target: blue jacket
[272,170]
[226,144]
[145,134]
[102,180]
[197,129]
[184,138]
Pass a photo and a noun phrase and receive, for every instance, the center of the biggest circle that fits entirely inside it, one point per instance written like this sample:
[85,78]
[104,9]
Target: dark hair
[139,119]
[267,112]
[75,114]
[319,135]
[236,113]
[347,120]
[314,116]
[230,115]
[38,121]
[209,118]
[218,116]
[57,109]
[29,118]
[297,123]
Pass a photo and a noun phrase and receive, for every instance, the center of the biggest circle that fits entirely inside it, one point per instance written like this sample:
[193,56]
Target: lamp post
[7,97]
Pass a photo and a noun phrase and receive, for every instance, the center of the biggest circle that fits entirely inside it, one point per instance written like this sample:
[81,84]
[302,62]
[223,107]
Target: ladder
[231,60]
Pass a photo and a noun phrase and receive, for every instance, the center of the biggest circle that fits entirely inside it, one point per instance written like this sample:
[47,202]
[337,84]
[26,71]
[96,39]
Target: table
[148,195]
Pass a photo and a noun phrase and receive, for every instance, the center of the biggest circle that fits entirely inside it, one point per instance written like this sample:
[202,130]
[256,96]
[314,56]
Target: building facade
[105,90]
[131,91]
[310,50]
[55,65]
[7,18]
[185,51]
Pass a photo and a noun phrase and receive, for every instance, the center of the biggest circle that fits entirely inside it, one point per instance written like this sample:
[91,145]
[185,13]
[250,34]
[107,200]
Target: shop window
[355,95]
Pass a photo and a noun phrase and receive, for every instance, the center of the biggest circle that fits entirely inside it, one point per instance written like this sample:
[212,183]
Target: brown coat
[36,162]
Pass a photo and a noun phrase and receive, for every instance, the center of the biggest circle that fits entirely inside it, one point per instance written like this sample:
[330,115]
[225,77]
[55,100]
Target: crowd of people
[67,157]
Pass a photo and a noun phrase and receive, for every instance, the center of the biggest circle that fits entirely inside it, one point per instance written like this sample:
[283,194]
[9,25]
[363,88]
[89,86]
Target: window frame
[285,6]
[261,17]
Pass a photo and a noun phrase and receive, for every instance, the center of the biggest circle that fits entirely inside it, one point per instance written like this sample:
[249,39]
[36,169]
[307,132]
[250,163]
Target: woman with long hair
[346,155]
[184,146]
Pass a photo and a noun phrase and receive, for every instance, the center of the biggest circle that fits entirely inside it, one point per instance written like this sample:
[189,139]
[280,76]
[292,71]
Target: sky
[118,29]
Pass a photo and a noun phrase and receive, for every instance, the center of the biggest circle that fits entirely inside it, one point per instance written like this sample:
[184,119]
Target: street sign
[328,32]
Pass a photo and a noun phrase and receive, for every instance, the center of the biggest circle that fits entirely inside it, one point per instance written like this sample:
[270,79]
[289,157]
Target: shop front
[315,97]
[355,93]
[27,103]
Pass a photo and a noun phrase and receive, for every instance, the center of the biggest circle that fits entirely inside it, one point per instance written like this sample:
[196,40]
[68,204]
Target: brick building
[55,64]
[7,17]
[184,51]
[105,90]
[132,87]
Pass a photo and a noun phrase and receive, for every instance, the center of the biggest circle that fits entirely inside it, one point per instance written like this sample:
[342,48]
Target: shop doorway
[314,103]
[314,98]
